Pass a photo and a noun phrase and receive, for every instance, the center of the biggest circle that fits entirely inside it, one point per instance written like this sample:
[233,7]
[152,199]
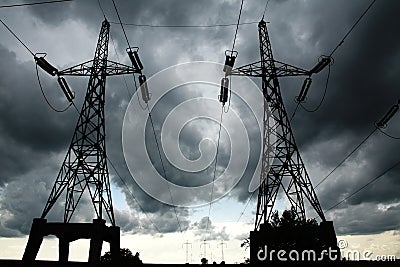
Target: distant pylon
[222,243]
[186,244]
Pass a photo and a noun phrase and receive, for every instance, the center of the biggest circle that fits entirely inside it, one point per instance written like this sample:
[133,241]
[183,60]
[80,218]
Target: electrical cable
[186,26]
[323,96]
[132,195]
[265,9]
[8,28]
[351,153]
[237,25]
[388,135]
[163,168]
[115,49]
[36,3]
[352,28]
[151,120]
[102,10]
[294,112]
[364,186]
[120,22]
[123,76]
[215,168]
[247,204]
[45,97]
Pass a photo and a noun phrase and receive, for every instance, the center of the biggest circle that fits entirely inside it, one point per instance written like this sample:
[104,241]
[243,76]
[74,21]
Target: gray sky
[362,87]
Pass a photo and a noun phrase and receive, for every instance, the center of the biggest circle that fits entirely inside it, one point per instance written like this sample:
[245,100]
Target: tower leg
[114,242]
[63,249]
[35,239]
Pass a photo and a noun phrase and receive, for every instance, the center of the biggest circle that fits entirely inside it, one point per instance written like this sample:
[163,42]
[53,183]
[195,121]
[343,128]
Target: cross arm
[282,69]
[85,69]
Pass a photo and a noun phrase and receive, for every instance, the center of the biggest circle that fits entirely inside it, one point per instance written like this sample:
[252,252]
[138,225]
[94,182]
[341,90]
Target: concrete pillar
[96,241]
[35,239]
[63,249]
[114,242]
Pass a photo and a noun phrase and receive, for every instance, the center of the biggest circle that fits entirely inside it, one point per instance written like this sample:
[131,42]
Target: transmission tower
[282,165]
[85,165]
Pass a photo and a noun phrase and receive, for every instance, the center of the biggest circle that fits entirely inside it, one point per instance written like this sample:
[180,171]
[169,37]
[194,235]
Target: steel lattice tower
[282,165]
[85,165]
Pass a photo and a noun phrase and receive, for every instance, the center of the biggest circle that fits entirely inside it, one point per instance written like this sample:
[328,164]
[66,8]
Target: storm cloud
[363,85]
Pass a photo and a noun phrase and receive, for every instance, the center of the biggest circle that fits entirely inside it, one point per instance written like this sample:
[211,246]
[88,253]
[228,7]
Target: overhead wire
[265,9]
[388,135]
[131,193]
[163,168]
[35,3]
[237,25]
[152,124]
[330,55]
[123,76]
[45,97]
[352,28]
[186,26]
[120,22]
[113,166]
[15,35]
[37,71]
[215,169]
[364,186]
[345,158]
[220,124]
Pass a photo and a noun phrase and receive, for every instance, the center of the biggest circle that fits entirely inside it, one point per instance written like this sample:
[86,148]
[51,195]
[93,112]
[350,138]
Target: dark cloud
[362,86]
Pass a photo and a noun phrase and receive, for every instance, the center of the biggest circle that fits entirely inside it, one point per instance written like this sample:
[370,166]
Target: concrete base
[66,233]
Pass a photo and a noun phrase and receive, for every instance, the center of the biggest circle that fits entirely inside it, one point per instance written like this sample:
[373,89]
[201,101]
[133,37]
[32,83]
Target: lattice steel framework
[85,165]
[281,159]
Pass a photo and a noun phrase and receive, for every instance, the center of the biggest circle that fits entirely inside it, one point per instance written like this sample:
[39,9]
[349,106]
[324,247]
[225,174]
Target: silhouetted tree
[125,257]
[204,261]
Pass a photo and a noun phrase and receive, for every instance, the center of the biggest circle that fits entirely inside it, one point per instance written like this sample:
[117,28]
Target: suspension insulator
[323,62]
[46,66]
[65,88]
[382,123]
[144,89]
[223,95]
[230,57]
[134,57]
[304,90]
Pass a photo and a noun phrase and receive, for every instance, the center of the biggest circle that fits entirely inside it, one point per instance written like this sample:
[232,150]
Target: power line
[152,125]
[102,10]
[351,153]
[11,31]
[388,135]
[45,97]
[123,76]
[186,26]
[265,9]
[163,167]
[132,195]
[35,3]
[364,186]
[352,28]
[237,25]
[215,168]
[120,22]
